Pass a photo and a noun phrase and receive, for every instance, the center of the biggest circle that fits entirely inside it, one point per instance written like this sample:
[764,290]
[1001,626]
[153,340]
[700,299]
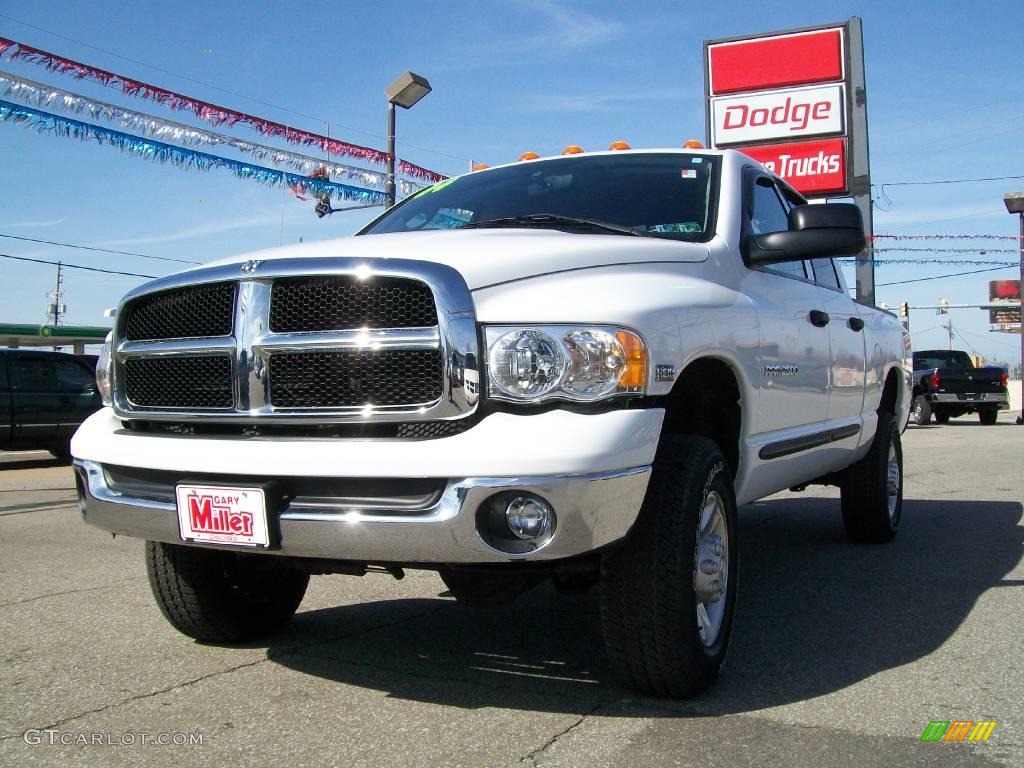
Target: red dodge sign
[812,167]
[776,62]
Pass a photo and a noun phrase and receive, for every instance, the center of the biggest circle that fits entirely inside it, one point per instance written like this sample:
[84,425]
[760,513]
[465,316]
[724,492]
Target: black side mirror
[832,229]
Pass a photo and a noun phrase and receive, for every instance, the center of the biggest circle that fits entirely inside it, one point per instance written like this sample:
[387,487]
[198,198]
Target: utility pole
[55,309]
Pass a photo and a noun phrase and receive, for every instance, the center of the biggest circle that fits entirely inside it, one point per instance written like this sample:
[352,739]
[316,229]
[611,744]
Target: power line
[954,274]
[75,266]
[944,181]
[91,248]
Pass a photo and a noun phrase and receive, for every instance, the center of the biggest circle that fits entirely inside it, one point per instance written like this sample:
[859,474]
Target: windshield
[941,359]
[665,195]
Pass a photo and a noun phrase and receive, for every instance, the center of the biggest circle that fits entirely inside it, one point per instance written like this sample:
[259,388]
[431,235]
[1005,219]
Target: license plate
[223,515]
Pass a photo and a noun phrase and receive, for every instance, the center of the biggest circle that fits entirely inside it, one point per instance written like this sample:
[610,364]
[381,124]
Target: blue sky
[945,102]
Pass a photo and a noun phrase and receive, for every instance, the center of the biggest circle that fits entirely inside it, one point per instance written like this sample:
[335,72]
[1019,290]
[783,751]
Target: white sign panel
[783,114]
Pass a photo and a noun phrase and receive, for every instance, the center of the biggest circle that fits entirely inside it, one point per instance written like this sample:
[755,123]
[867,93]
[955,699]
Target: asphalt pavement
[841,654]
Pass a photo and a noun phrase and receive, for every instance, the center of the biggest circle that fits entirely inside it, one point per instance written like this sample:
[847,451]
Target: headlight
[582,363]
[103,370]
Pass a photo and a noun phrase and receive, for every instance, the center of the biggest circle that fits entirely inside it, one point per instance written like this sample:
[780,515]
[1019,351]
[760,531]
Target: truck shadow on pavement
[815,615]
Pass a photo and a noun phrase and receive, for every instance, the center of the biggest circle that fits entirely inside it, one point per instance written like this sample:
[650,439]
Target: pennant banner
[180,157]
[47,97]
[204,110]
[947,237]
[407,168]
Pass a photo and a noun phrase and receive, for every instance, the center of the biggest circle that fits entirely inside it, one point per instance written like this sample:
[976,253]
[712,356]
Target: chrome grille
[179,382]
[352,378]
[192,312]
[305,341]
[347,302]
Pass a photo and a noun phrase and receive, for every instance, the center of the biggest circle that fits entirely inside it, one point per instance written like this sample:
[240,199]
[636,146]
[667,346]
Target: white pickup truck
[572,368]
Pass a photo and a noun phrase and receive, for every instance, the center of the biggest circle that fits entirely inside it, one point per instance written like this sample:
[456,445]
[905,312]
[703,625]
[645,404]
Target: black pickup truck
[44,396]
[947,385]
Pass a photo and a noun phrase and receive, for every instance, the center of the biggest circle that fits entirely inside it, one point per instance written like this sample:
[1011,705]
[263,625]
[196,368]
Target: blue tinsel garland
[180,157]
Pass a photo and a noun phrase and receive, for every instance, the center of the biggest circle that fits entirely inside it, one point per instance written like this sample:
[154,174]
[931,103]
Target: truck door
[78,395]
[793,368]
[36,402]
[846,347]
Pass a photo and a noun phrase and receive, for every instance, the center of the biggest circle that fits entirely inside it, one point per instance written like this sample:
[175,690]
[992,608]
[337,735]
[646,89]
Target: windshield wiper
[554,221]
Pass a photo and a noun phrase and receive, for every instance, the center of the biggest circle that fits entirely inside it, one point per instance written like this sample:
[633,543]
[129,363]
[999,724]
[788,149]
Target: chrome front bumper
[592,510]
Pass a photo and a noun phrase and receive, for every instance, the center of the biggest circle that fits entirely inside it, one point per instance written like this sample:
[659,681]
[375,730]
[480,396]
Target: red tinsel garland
[407,168]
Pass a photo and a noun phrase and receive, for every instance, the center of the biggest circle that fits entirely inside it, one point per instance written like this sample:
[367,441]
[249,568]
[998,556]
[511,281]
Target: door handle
[818,318]
[856,324]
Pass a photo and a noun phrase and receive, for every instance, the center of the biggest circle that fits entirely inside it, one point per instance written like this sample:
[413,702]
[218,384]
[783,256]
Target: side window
[768,214]
[74,378]
[34,373]
[825,274]
[3,374]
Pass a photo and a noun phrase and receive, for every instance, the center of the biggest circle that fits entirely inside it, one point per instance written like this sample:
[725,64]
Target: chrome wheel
[711,568]
[893,481]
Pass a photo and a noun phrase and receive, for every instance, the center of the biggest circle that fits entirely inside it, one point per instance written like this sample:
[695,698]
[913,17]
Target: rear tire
[941,418]
[665,612]
[922,411]
[872,489]
[988,417]
[222,597]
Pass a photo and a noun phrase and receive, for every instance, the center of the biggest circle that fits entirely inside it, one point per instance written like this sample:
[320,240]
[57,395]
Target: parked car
[44,397]
[947,385]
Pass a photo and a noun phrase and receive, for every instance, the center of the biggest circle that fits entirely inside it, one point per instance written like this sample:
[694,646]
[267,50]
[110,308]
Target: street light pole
[408,89]
[1014,202]
[389,184]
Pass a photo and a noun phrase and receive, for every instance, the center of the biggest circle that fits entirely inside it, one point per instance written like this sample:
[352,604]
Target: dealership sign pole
[796,102]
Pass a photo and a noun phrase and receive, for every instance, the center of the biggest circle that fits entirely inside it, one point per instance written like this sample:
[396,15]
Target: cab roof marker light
[479,167]
[693,144]
[618,145]
[573,149]
[528,156]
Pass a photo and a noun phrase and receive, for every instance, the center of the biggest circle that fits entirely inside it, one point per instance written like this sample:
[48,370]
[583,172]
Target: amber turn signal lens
[635,375]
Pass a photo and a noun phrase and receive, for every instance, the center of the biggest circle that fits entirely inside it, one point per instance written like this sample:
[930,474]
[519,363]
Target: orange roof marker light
[479,167]
[528,156]
[617,145]
[693,144]
[572,149]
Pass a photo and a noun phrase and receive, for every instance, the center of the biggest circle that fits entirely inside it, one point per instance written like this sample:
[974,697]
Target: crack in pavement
[68,592]
[188,683]
[532,756]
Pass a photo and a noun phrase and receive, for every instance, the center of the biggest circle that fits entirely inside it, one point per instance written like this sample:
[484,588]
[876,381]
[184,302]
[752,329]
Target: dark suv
[44,396]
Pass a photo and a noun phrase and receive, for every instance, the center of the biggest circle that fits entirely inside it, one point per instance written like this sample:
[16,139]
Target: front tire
[922,411]
[668,593]
[217,596]
[872,489]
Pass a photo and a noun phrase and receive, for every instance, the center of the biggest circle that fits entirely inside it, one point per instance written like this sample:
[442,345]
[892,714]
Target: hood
[489,256]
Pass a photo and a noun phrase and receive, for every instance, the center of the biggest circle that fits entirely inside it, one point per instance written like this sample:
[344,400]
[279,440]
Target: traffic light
[904,309]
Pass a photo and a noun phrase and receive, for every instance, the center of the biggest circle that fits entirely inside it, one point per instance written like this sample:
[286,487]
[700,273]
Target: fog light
[528,518]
